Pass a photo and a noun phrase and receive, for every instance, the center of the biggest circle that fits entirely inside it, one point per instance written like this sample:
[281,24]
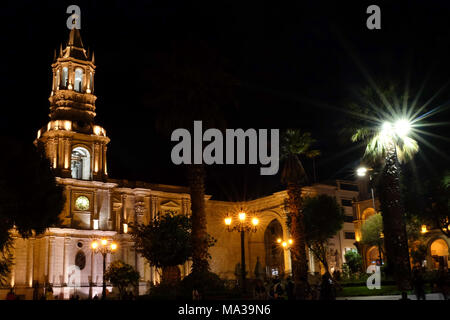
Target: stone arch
[368,213]
[437,252]
[274,255]
[80,163]
[257,245]
[372,255]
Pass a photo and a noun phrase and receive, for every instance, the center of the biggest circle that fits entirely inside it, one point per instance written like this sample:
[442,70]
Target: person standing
[418,284]
[326,288]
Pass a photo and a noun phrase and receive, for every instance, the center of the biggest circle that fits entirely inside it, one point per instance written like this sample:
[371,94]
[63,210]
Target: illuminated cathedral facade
[98,207]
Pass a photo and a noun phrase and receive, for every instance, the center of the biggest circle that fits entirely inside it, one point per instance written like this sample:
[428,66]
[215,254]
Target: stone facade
[98,207]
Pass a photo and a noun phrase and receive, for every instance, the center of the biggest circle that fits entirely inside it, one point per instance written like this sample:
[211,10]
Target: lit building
[436,243]
[100,207]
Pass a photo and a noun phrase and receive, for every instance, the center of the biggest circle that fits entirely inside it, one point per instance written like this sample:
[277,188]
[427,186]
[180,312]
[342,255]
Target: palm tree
[191,84]
[389,145]
[296,143]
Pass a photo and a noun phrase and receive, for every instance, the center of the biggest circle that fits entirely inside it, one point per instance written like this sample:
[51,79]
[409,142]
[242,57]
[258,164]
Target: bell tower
[74,144]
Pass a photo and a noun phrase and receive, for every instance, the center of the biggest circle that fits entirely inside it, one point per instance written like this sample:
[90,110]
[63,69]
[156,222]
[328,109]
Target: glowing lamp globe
[361,171]
[402,127]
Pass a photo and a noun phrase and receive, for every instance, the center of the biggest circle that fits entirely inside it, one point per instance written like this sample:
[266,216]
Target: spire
[60,50]
[93,57]
[75,48]
[75,39]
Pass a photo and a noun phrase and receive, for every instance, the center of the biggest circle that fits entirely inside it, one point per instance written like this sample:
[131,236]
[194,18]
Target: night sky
[297,64]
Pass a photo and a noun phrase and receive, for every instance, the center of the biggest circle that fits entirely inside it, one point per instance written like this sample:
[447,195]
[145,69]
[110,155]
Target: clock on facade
[82,203]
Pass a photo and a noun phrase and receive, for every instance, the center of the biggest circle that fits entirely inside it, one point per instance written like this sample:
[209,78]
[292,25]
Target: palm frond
[406,149]
[361,134]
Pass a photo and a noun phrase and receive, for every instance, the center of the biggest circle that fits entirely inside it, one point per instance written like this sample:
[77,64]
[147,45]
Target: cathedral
[99,207]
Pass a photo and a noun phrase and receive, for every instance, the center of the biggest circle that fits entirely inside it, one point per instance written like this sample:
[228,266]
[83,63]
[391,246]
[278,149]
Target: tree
[293,145]
[387,143]
[323,218]
[353,260]
[30,198]
[191,80]
[122,275]
[372,233]
[165,243]
[437,209]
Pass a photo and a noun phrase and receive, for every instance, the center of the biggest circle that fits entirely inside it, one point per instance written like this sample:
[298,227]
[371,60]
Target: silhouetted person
[326,288]
[278,290]
[11,295]
[260,290]
[404,296]
[418,284]
[290,289]
[443,282]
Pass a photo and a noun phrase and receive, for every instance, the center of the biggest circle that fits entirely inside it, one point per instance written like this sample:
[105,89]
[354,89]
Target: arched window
[58,79]
[65,77]
[81,163]
[91,82]
[78,79]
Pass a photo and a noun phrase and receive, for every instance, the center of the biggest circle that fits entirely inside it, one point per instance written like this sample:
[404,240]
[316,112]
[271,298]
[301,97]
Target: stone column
[93,272]
[154,206]
[66,260]
[104,169]
[13,267]
[51,256]
[30,261]
[185,206]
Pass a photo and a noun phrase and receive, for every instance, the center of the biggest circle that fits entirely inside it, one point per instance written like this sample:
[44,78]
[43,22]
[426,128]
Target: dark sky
[296,63]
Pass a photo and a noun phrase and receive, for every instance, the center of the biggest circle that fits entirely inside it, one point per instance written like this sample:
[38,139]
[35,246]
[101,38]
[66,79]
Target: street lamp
[285,244]
[362,172]
[242,226]
[103,248]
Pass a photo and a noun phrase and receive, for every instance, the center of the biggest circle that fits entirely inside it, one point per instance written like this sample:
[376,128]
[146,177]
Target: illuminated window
[81,164]
[78,79]
[65,76]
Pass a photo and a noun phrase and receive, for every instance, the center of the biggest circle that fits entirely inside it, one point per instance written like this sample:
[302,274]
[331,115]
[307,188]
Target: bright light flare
[228,221]
[279,240]
[402,127]
[424,229]
[255,221]
[290,241]
[94,245]
[104,242]
[242,216]
[361,171]
[113,246]
[284,244]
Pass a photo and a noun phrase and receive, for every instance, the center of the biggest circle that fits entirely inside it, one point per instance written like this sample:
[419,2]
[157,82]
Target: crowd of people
[284,289]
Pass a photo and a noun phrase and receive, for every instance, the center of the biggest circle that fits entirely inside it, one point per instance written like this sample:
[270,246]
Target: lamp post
[242,226]
[104,249]
[362,172]
[286,245]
